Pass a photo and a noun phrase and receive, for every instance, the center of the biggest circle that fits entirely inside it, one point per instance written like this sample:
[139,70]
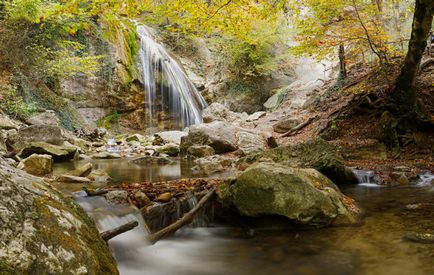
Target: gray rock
[218,112]
[35,133]
[38,165]
[72,179]
[42,232]
[304,196]
[219,135]
[6,123]
[168,137]
[256,116]
[99,176]
[275,100]
[48,117]
[285,125]
[201,151]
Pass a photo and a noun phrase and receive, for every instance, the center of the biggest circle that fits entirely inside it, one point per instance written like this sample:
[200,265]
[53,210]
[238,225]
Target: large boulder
[223,137]
[219,135]
[317,154]
[48,117]
[168,137]
[37,165]
[35,133]
[201,151]
[42,232]
[59,152]
[305,196]
[218,112]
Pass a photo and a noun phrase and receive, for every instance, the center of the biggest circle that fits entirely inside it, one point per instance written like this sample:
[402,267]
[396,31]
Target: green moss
[92,252]
[109,121]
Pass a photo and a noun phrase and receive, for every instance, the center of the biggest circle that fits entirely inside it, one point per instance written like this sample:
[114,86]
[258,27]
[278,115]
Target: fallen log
[109,234]
[186,219]
[299,127]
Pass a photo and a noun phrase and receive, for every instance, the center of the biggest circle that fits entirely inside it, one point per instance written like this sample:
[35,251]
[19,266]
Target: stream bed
[374,247]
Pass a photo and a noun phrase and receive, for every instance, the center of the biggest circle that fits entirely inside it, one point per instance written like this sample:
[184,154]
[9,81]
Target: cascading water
[172,100]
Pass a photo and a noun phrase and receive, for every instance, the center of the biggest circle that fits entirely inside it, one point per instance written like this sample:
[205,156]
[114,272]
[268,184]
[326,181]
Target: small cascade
[365,177]
[107,217]
[426,179]
[172,101]
[160,215]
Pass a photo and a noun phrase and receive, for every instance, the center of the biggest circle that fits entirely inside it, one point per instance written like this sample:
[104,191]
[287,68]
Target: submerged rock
[82,171]
[72,179]
[38,165]
[106,155]
[305,196]
[42,232]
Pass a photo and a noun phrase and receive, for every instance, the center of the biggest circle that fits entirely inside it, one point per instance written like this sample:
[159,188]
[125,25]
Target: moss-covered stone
[304,196]
[317,154]
[42,232]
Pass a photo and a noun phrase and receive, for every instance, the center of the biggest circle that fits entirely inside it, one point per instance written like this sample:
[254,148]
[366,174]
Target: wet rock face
[304,196]
[41,232]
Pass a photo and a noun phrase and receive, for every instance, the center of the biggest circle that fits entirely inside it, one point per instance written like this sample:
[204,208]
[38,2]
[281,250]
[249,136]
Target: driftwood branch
[92,193]
[298,127]
[186,219]
[109,234]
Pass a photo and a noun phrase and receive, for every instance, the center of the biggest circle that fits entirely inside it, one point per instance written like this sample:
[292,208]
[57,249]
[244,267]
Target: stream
[375,247]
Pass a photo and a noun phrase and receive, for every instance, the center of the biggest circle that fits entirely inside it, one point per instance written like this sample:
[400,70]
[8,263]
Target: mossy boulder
[42,232]
[304,196]
[317,154]
[58,152]
[35,133]
[37,165]
[201,151]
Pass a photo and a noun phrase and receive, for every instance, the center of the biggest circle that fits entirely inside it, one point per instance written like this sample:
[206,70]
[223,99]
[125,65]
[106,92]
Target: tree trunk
[404,95]
[342,67]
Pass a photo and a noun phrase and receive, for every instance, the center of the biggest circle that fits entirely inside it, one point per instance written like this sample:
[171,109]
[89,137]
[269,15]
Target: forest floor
[347,113]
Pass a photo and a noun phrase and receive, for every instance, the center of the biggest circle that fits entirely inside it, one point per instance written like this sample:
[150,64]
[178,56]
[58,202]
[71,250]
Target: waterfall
[172,101]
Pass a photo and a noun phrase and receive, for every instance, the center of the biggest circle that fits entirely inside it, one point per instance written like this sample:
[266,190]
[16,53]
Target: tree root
[300,126]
